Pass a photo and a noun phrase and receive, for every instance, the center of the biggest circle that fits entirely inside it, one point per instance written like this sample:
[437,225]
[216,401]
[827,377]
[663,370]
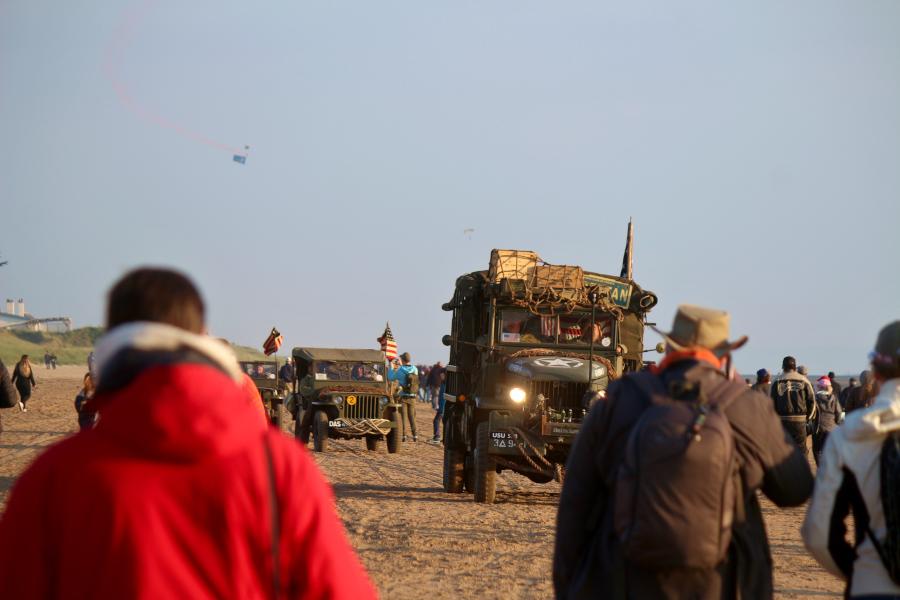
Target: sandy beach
[415,540]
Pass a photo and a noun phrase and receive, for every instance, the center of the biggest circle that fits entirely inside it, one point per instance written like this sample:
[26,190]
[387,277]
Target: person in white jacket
[849,479]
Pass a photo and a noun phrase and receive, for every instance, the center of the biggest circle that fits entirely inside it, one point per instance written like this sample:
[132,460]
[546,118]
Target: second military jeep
[343,393]
[272,390]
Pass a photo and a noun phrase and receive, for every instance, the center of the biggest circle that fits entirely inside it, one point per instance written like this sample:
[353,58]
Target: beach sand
[415,540]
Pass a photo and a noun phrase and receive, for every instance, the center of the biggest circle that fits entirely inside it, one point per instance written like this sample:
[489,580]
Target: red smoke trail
[114,53]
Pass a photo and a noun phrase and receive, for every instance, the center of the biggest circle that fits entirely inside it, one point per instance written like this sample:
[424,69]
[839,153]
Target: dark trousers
[408,411]
[818,444]
[797,431]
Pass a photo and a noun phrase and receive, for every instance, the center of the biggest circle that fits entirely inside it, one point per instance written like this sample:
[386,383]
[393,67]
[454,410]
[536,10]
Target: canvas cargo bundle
[556,277]
[512,264]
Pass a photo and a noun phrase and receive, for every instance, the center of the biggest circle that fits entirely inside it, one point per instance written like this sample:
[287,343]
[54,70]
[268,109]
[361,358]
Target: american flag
[548,326]
[273,342]
[571,332]
[388,345]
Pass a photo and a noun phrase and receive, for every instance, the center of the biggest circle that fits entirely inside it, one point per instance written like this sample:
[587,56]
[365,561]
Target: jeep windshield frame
[520,328]
[327,371]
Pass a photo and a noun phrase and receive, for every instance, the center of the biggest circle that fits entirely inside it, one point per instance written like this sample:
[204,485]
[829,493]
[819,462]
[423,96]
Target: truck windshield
[574,329]
[326,370]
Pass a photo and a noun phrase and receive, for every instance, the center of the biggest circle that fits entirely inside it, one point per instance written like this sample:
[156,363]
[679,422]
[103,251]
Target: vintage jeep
[272,390]
[343,393]
[531,346]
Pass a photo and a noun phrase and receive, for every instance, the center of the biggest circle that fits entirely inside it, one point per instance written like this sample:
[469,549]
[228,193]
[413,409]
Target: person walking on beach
[862,395]
[23,378]
[860,473]
[795,401]
[851,383]
[407,378]
[829,415]
[836,388]
[680,518]
[763,382]
[84,403]
[179,490]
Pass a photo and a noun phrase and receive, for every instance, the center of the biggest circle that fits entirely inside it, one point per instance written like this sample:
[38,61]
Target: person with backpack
[659,499]
[829,414]
[407,378]
[795,402]
[860,473]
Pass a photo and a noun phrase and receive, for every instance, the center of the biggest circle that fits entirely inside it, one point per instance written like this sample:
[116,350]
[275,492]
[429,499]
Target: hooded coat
[851,459]
[180,491]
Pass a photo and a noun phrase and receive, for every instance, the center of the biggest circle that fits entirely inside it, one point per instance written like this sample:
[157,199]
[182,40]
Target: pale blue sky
[756,145]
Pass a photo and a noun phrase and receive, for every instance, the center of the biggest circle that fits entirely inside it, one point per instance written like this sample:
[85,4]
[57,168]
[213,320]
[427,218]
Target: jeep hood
[555,368]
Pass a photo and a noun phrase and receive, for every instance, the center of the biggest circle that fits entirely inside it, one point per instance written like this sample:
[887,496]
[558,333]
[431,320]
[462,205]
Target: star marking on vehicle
[559,363]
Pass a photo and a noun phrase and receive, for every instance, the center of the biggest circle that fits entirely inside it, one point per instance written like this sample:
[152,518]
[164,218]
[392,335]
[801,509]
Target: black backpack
[676,491]
[889,548]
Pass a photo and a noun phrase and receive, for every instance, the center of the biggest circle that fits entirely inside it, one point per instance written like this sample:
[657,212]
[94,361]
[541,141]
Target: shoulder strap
[276,518]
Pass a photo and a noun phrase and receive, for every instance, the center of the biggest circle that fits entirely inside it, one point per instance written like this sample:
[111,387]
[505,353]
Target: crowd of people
[182,490]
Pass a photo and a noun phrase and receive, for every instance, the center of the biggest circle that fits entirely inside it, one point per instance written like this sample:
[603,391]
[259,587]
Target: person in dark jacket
[763,382]
[829,415]
[845,393]
[836,388]
[862,395]
[23,378]
[795,401]
[588,559]
[84,404]
[7,391]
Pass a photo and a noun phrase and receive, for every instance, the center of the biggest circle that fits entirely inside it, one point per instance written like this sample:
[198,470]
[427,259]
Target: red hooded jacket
[170,496]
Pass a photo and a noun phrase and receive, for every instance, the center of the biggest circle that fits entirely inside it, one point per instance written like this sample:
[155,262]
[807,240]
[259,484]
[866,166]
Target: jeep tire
[320,431]
[393,436]
[372,442]
[302,426]
[454,470]
[485,466]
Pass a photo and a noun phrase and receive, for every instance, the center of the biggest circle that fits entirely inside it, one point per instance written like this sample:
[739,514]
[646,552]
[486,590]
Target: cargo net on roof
[534,284]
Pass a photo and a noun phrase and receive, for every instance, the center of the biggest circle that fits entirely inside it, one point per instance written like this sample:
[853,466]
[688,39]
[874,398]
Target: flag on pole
[388,344]
[273,342]
[628,258]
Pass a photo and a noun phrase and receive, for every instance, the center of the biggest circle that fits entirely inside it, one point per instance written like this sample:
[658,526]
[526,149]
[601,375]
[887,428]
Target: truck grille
[560,394]
[366,407]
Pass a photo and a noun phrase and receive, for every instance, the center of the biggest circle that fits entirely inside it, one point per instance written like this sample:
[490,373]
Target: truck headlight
[338,400]
[517,395]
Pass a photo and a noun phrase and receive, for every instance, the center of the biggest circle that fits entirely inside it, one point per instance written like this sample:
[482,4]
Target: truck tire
[301,427]
[393,436]
[454,470]
[485,466]
[372,442]
[276,414]
[320,431]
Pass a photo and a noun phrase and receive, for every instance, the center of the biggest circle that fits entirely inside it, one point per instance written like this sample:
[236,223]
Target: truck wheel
[485,466]
[301,427]
[320,431]
[454,470]
[470,473]
[393,436]
[372,442]
[276,414]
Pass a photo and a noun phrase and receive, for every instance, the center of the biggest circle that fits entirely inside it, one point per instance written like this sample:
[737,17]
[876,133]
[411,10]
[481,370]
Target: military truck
[343,393]
[531,346]
[272,390]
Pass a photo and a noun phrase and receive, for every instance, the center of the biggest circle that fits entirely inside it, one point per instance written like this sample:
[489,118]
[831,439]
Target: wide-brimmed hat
[704,327]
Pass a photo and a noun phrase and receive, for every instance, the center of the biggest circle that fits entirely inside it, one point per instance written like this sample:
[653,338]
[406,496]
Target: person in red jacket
[180,491]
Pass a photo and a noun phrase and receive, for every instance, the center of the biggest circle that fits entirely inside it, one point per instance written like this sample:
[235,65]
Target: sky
[755,145]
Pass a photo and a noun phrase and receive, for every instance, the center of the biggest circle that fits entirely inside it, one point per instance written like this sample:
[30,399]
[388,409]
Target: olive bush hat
[705,327]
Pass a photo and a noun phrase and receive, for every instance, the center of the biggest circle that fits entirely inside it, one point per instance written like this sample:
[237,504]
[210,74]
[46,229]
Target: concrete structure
[16,317]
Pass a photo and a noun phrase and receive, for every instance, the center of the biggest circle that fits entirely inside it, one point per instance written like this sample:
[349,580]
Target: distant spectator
[763,382]
[795,401]
[53,361]
[829,415]
[845,393]
[46,360]
[861,396]
[23,377]
[836,388]
[433,382]
[84,403]
[803,371]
